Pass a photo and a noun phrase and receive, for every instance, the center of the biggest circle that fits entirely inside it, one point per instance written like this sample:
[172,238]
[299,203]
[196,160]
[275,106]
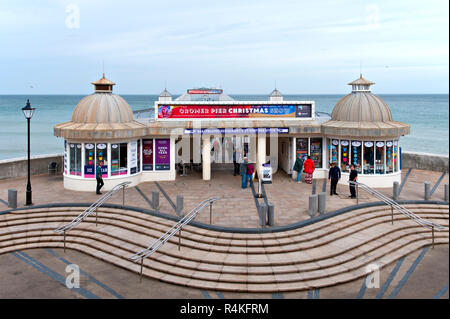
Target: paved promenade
[237,206]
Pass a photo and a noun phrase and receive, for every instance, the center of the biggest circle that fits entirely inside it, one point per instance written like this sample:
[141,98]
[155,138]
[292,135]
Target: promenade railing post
[427,190]
[395,190]
[392,215]
[357,194]
[210,213]
[142,265]
[432,237]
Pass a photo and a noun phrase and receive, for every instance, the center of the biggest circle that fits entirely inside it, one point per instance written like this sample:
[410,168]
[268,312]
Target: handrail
[173,230]
[91,209]
[394,205]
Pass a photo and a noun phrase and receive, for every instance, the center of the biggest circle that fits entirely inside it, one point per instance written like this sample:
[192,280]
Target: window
[102,156]
[75,159]
[345,156]
[302,147]
[89,160]
[316,151]
[379,158]
[395,157]
[356,155]
[334,151]
[119,158]
[369,156]
[389,157]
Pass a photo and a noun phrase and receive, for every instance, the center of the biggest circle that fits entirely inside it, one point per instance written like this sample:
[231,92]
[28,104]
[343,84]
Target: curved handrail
[90,209]
[173,230]
[419,220]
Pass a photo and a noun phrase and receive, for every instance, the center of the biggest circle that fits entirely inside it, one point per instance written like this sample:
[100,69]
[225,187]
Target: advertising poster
[147,155]
[167,111]
[162,154]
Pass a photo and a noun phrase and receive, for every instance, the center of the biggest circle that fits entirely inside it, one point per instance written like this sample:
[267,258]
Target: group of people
[334,174]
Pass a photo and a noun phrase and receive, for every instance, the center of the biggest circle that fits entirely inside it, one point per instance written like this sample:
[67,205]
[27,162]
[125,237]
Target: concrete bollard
[312,205]
[321,202]
[271,214]
[314,185]
[179,207]
[262,215]
[446,192]
[427,190]
[155,200]
[395,190]
[324,185]
[12,198]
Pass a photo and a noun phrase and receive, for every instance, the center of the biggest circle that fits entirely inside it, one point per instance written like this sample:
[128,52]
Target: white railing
[397,207]
[88,211]
[140,255]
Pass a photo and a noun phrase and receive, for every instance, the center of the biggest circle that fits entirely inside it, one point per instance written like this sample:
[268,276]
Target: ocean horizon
[427,114]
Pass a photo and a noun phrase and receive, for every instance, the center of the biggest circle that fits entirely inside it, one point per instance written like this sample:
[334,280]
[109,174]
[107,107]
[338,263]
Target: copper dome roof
[102,108]
[361,107]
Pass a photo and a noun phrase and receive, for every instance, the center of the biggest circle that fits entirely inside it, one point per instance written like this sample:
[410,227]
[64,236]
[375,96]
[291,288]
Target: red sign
[170,111]
[205,91]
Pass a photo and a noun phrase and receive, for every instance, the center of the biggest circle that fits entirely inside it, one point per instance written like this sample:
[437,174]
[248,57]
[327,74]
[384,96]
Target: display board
[162,154]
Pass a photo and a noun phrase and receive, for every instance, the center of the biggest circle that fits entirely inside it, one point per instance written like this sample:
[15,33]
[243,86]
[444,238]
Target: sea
[428,115]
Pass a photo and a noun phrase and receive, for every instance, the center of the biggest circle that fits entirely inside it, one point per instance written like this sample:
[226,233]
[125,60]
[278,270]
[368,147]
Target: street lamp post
[28,112]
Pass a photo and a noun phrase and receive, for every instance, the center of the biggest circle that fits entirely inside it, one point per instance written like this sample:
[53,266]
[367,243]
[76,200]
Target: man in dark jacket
[98,175]
[334,175]
[353,177]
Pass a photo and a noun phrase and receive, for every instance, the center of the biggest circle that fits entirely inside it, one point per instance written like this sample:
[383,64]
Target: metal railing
[88,211]
[396,206]
[140,255]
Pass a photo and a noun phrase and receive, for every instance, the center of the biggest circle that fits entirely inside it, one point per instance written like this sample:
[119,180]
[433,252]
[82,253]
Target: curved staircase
[329,252]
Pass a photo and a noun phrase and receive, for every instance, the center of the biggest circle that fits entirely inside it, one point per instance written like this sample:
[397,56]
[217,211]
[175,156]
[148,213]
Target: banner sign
[205,91]
[147,155]
[162,154]
[257,130]
[251,111]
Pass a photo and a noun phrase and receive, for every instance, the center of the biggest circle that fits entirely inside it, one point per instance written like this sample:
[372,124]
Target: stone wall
[425,161]
[18,167]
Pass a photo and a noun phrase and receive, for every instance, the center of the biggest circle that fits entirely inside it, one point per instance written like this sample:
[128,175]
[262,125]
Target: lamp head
[28,110]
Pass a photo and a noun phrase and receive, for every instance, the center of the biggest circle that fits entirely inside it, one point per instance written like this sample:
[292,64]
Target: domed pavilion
[362,132]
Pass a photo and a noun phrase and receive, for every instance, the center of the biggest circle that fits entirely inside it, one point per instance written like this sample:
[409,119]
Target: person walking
[98,175]
[298,167]
[235,162]
[353,177]
[250,171]
[243,171]
[308,168]
[334,175]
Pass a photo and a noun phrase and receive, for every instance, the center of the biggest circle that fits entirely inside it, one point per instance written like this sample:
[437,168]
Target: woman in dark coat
[298,167]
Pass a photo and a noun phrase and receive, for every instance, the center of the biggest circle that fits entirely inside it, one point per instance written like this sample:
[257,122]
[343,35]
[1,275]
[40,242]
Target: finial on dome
[103,85]
[361,84]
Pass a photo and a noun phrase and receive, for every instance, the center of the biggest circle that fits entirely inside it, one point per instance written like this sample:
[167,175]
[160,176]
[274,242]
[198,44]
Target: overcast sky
[307,47]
